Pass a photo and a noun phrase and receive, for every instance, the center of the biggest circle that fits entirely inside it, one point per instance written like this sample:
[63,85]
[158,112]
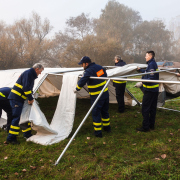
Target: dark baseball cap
[85,59]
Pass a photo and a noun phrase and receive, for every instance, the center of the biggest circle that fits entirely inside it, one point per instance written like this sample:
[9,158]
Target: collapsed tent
[51,83]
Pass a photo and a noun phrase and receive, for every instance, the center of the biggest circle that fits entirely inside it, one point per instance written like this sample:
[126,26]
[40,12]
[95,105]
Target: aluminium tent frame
[121,79]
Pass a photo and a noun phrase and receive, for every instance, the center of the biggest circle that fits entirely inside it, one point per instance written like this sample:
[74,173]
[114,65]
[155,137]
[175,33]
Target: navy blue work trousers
[5,105]
[120,89]
[100,116]
[149,106]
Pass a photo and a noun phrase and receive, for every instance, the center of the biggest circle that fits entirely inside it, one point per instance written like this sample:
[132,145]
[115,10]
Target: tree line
[118,30]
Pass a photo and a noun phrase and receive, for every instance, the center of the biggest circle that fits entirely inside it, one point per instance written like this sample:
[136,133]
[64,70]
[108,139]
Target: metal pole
[139,104]
[82,122]
[134,80]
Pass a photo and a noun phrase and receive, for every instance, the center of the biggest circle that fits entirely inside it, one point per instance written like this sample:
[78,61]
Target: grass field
[122,154]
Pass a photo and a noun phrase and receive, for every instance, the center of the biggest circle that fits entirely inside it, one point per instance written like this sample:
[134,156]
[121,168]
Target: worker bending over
[21,91]
[100,111]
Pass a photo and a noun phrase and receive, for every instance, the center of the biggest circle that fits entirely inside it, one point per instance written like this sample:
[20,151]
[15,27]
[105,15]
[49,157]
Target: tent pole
[139,104]
[95,102]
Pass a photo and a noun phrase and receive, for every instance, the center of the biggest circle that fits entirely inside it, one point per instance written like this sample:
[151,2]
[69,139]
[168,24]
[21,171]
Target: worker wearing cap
[21,91]
[151,90]
[120,86]
[5,105]
[100,111]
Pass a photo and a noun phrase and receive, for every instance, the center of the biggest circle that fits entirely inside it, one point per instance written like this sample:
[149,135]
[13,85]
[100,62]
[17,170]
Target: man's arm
[83,81]
[26,81]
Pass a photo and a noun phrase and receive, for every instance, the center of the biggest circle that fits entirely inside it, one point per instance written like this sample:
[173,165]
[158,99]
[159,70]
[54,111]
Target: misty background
[60,33]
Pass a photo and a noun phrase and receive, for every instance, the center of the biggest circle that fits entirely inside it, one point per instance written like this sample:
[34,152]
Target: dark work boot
[142,129]
[11,142]
[99,135]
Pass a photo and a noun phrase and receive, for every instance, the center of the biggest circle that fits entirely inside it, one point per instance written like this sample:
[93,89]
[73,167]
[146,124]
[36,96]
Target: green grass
[122,154]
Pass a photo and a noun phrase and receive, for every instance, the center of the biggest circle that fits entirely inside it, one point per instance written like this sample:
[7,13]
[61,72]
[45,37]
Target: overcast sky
[58,11]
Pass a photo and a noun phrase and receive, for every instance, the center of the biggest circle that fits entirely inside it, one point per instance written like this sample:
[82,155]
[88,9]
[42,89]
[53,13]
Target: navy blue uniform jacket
[152,66]
[94,85]
[4,93]
[23,86]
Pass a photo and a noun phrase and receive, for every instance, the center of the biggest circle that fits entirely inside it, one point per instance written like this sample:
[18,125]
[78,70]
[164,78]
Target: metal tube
[134,80]
[82,123]
[141,74]
[40,82]
[168,109]
[139,104]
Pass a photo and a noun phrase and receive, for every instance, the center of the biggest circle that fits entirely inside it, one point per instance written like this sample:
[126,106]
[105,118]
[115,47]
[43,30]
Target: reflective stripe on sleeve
[1,94]
[79,87]
[153,86]
[27,92]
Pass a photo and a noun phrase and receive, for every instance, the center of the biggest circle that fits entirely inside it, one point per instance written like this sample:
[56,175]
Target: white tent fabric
[63,119]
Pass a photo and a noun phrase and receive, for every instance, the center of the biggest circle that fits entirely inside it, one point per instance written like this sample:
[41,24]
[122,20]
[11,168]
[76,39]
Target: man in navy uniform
[100,111]
[21,91]
[120,86]
[149,103]
[5,105]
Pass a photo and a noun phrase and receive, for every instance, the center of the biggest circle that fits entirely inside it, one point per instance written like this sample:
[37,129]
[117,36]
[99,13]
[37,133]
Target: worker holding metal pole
[100,112]
[151,90]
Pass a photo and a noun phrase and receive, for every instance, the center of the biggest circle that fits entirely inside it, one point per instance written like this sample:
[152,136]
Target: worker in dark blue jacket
[21,91]
[151,90]
[100,111]
[120,86]
[5,105]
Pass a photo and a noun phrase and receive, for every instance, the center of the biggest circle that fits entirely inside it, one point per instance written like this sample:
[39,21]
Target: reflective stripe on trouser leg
[105,115]
[16,113]
[96,115]
[27,131]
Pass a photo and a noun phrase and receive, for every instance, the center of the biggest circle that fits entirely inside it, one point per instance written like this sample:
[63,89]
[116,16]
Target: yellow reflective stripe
[97,124]
[97,129]
[24,97]
[29,123]
[79,87]
[27,92]
[119,81]
[12,132]
[17,93]
[1,94]
[153,86]
[28,129]
[157,69]
[18,85]
[106,124]
[14,127]
[98,92]
[105,119]
[97,85]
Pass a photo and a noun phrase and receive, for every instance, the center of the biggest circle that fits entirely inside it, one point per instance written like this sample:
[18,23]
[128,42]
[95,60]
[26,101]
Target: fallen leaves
[171,134]
[24,170]
[134,144]
[104,142]
[16,173]
[163,156]
[33,167]
[88,138]
[157,159]
[169,140]
[5,157]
